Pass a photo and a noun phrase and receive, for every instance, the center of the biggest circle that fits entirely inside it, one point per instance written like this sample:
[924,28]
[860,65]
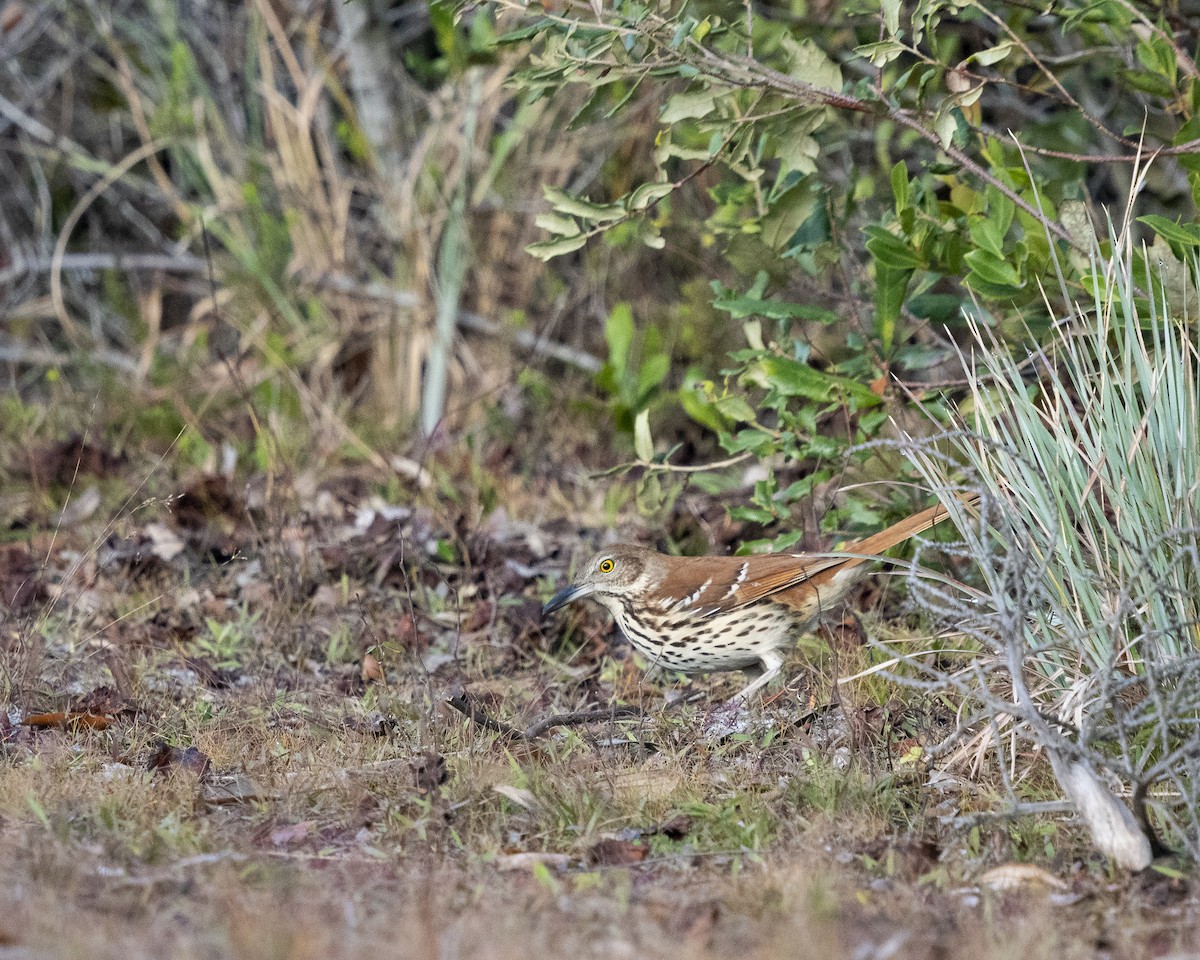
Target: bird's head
[608,576]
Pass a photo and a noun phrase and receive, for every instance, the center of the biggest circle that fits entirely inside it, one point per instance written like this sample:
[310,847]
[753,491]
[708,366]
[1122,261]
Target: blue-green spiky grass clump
[1098,464]
[1087,453]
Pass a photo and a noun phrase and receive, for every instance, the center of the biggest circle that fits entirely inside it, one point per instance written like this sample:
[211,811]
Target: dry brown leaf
[615,852]
[523,861]
[429,770]
[65,462]
[92,721]
[285,836]
[168,759]
[371,668]
[238,788]
[21,583]
[518,795]
[1020,876]
[259,594]
[678,827]
[103,700]
[164,543]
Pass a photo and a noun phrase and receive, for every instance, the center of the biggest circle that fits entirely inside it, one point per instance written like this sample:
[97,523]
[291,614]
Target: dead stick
[466,705]
[579,717]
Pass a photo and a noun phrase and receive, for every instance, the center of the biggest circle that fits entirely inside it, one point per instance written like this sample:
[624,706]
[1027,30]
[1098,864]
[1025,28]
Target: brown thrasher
[700,614]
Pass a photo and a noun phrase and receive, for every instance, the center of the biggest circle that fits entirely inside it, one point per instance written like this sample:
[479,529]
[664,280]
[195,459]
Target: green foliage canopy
[911,165]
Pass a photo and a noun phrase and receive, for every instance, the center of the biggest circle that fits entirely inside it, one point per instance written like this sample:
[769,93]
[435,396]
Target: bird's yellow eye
[606,565]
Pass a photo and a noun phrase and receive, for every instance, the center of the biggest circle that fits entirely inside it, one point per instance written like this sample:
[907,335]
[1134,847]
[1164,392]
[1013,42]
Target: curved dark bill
[565,596]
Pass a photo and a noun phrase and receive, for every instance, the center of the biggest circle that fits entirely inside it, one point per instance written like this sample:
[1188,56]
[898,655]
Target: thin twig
[465,704]
[35,356]
[143,152]
[700,467]
[1012,812]
[474,322]
[579,717]
[87,262]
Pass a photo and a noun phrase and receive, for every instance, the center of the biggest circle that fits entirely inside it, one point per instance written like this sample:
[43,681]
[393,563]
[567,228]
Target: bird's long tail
[908,527]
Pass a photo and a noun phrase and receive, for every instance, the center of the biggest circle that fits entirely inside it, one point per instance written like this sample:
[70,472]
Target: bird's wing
[797,579]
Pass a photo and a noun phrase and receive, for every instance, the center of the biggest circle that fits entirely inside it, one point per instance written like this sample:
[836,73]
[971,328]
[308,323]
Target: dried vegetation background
[274,678]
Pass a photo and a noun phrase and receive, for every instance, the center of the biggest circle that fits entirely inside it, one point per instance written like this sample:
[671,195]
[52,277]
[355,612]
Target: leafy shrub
[874,174]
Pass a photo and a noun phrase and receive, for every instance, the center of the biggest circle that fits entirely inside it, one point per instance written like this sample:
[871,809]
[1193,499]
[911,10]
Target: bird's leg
[734,716]
[772,663]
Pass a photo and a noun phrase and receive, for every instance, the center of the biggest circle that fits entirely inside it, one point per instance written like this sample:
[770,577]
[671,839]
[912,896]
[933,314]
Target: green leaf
[1000,210]
[741,307]
[823,448]
[525,33]
[666,148]
[797,152]
[1187,235]
[1077,221]
[945,124]
[1146,82]
[890,251]
[992,269]
[756,441]
[555,223]
[800,488]
[696,405]
[788,214]
[549,249]
[575,206]
[643,444]
[735,408]
[443,21]
[987,236]
[891,287]
[623,99]
[968,97]
[691,105]
[810,64]
[751,514]
[545,879]
[942,308]
[36,808]
[794,379]
[880,54]
[1156,54]
[647,194]
[985,58]
[900,186]
[618,332]
[653,372]
[891,15]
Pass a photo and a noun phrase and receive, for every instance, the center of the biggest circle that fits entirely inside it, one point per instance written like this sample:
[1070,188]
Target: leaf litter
[271,681]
